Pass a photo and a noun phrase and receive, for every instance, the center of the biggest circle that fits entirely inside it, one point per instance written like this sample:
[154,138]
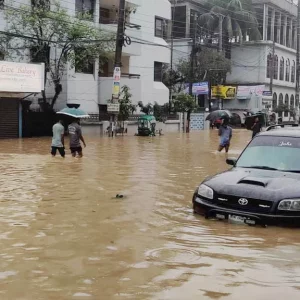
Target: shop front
[17,81]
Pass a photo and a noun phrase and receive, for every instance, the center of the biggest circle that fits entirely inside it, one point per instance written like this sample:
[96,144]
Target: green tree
[160,112]
[53,37]
[126,106]
[185,104]
[209,65]
[239,20]
[146,109]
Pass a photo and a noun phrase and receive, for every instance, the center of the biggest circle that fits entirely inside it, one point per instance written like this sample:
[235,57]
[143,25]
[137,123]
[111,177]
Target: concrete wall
[153,49]
[132,128]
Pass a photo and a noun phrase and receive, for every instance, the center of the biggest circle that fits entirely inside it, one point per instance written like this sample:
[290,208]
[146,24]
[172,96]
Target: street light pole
[114,107]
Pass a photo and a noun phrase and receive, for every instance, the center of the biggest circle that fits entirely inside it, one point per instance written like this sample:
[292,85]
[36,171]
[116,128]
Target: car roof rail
[275,126]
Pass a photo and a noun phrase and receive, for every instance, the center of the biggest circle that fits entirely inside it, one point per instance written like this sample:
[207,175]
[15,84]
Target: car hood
[257,184]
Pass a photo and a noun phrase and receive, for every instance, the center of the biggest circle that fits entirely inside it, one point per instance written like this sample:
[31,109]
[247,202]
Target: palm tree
[238,21]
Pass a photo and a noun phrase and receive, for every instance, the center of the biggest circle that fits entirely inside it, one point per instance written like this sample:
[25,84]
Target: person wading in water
[225,134]
[256,128]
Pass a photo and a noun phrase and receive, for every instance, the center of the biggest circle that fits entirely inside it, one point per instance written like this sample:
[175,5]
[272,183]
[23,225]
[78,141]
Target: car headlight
[289,204]
[205,191]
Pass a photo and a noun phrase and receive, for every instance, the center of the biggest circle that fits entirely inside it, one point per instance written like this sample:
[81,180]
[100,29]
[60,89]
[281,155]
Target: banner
[223,92]
[199,88]
[246,92]
[21,77]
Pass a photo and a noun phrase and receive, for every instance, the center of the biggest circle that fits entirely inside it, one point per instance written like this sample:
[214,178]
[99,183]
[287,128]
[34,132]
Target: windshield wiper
[291,171]
[261,168]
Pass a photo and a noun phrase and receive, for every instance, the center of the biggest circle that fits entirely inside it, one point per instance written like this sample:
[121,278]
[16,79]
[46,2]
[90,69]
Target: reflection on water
[64,234]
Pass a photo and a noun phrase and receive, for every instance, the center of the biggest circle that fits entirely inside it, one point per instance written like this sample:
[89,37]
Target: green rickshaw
[146,125]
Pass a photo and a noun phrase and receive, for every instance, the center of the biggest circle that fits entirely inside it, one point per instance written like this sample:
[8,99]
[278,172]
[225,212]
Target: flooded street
[64,235]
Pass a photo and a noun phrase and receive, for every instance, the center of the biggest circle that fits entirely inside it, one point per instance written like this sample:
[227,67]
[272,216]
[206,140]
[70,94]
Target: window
[293,71]
[105,16]
[276,67]
[280,104]
[281,72]
[274,103]
[158,71]
[161,28]
[287,70]
[40,54]
[265,151]
[292,105]
[84,6]
[83,64]
[286,105]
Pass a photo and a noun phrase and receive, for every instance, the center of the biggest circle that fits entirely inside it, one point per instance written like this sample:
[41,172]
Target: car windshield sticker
[285,144]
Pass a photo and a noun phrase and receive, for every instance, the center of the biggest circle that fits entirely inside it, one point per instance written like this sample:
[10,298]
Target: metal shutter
[9,118]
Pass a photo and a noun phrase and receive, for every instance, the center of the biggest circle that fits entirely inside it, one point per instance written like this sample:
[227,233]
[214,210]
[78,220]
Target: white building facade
[142,60]
[252,62]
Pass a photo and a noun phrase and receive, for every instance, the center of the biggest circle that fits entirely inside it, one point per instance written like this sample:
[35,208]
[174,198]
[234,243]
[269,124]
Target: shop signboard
[246,92]
[21,77]
[199,88]
[223,92]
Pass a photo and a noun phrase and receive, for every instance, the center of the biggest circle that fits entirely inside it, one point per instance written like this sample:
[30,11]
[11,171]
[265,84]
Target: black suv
[263,187]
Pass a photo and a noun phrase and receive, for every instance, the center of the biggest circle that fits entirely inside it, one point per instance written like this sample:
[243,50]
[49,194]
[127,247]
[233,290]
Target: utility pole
[172,49]
[114,106]
[272,70]
[192,58]
[220,33]
[298,55]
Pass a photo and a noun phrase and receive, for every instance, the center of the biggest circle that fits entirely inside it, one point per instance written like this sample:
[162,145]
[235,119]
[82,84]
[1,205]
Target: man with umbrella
[75,133]
[74,129]
[225,134]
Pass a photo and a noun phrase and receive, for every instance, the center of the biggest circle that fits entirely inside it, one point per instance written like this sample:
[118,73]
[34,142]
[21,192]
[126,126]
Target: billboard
[246,92]
[21,77]
[223,92]
[199,88]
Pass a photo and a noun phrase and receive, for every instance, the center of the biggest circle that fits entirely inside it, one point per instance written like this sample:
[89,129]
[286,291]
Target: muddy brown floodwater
[64,235]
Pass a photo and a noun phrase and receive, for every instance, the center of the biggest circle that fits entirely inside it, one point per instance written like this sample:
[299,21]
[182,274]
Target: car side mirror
[231,161]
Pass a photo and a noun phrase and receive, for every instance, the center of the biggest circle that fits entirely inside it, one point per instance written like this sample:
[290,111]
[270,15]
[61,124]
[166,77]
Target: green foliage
[160,112]
[40,28]
[126,106]
[146,109]
[285,108]
[209,66]
[184,103]
[172,79]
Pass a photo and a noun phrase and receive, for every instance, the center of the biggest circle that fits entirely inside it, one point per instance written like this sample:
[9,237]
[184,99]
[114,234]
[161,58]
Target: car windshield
[273,153]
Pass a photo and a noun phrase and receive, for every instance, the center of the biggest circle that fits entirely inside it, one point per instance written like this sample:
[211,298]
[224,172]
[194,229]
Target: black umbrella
[218,114]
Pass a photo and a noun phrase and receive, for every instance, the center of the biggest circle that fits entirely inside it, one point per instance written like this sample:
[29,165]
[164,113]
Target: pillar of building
[295,35]
[285,22]
[188,21]
[266,22]
[278,38]
[273,25]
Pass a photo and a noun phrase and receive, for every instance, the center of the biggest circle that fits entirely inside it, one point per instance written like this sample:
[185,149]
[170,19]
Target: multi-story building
[252,62]
[142,60]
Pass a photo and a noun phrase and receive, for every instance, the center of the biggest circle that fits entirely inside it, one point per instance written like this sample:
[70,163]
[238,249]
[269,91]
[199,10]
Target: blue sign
[267,93]
[199,88]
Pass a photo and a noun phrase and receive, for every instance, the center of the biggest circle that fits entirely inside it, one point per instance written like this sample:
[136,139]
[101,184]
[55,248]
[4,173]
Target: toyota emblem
[243,201]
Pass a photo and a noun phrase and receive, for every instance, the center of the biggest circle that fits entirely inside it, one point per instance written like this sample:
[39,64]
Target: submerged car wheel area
[262,187]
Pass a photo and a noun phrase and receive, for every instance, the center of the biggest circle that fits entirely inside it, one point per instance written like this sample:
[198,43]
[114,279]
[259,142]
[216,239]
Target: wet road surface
[64,235]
